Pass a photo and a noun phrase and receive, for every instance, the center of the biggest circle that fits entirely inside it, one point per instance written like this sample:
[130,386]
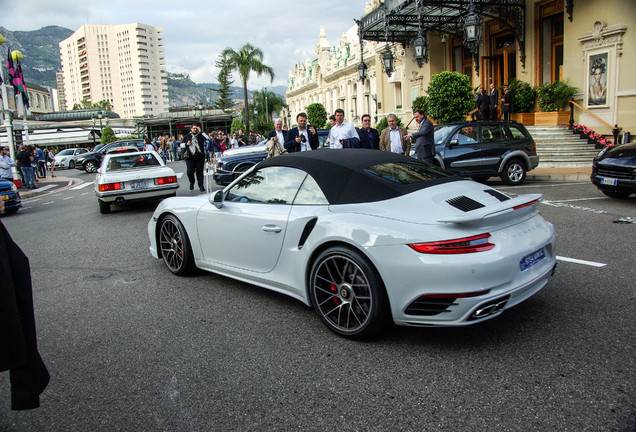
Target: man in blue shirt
[41,162]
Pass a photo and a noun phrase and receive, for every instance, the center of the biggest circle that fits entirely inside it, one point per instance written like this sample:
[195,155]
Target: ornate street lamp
[472,33]
[420,44]
[387,57]
[362,67]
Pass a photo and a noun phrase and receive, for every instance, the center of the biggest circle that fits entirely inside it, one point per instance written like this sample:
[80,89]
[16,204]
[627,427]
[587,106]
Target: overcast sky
[196,31]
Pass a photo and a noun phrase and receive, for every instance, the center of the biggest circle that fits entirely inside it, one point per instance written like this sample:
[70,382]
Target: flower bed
[591,136]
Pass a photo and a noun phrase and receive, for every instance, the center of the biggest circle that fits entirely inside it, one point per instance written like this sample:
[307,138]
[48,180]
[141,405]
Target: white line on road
[82,186]
[85,193]
[179,175]
[67,198]
[578,261]
[43,188]
[47,203]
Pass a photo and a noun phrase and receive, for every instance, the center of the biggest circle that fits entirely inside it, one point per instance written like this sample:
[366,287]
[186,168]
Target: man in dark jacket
[18,341]
[494,101]
[424,137]
[506,103]
[302,137]
[484,104]
[369,137]
[195,161]
[278,134]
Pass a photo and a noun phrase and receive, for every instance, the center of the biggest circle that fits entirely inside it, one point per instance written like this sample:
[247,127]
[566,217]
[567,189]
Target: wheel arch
[516,154]
[339,243]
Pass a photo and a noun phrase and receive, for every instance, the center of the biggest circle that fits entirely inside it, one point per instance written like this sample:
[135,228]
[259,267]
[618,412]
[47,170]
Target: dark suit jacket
[425,140]
[18,340]
[364,139]
[494,97]
[272,134]
[484,102]
[506,101]
[290,140]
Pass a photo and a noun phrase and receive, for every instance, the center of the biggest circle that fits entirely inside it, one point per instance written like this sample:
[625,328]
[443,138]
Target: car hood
[259,148]
[463,202]
[623,151]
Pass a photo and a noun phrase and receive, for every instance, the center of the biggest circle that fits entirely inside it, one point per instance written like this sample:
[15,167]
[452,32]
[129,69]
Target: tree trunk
[246,107]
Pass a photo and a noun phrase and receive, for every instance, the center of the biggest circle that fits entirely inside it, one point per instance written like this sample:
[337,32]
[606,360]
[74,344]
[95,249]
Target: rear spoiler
[498,209]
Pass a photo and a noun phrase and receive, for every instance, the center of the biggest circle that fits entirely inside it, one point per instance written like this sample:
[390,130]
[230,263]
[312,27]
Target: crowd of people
[31,163]
[486,103]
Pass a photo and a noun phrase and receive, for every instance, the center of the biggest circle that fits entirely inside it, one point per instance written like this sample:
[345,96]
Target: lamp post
[8,122]
[266,107]
[472,33]
[99,115]
[362,67]
[199,108]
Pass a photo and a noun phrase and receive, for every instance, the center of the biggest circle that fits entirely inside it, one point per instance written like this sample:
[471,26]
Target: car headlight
[602,152]
[14,188]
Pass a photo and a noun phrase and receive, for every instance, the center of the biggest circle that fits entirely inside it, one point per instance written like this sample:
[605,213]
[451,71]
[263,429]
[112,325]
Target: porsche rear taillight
[478,243]
[109,187]
[165,180]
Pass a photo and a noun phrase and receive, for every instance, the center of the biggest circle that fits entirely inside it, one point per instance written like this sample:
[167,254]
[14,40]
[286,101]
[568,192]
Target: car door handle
[476,148]
[271,228]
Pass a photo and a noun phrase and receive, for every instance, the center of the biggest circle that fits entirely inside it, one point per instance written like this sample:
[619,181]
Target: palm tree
[246,60]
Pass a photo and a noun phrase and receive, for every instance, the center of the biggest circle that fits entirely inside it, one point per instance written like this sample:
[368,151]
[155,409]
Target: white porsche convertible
[363,236]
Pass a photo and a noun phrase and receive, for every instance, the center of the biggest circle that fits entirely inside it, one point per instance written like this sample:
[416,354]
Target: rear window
[407,172]
[515,132]
[129,161]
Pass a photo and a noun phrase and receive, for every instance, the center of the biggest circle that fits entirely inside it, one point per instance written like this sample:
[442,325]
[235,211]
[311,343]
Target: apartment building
[124,64]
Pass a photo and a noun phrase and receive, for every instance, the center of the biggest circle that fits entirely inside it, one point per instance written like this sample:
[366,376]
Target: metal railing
[615,129]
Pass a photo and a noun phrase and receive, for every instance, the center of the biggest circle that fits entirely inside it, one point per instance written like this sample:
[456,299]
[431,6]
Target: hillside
[42,60]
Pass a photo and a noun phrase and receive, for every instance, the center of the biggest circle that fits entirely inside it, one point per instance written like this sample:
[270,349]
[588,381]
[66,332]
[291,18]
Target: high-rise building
[123,64]
[61,97]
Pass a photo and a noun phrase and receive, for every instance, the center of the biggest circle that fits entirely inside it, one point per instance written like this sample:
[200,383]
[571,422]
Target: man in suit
[424,137]
[278,134]
[369,137]
[302,137]
[494,101]
[484,105]
[392,138]
[506,103]
[195,144]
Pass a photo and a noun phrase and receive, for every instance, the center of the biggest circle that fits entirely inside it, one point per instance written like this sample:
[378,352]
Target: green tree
[237,124]
[266,101]
[450,97]
[317,115]
[108,135]
[102,104]
[421,103]
[224,92]
[246,60]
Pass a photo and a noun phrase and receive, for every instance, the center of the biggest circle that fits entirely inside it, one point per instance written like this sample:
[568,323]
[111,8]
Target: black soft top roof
[342,177]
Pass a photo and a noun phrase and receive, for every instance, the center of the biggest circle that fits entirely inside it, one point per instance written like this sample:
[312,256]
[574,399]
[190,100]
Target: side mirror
[453,143]
[217,199]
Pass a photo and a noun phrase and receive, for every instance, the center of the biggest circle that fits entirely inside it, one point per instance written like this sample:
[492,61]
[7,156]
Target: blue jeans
[27,174]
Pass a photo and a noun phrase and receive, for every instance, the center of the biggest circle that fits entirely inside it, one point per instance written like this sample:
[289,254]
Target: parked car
[66,158]
[235,162]
[485,149]
[364,235]
[10,196]
[614,170]
[126,176]
[91,161]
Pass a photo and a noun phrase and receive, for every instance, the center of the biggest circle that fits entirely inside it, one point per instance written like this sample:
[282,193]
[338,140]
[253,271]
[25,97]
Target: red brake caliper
[336,300]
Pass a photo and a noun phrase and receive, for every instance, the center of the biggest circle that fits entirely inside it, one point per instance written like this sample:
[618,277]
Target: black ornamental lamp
[388,61]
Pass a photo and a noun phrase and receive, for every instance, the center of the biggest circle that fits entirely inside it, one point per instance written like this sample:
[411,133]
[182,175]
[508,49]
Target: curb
[33,193]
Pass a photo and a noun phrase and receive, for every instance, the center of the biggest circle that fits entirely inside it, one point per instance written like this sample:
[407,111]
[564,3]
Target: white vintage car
[130,175]
[363,236]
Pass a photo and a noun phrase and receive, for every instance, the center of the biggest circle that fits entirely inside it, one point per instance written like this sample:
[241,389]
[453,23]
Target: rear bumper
[119,195]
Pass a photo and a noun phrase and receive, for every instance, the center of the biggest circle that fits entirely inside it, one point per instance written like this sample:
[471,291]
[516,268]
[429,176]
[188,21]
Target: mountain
[40,49]
[42,60]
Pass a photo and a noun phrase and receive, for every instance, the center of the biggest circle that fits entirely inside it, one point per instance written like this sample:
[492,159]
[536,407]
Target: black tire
[104,207]
[616,194]
[11,210]
[514,172]
[90,166]
[347,293]
[174,246]
[71,164]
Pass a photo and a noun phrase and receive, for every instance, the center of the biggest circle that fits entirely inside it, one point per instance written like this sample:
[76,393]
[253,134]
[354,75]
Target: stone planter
[554,118]
[523,118]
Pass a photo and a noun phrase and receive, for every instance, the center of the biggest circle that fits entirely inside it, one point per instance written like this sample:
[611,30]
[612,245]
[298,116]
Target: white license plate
[531,259]
[142,184]
[608,181]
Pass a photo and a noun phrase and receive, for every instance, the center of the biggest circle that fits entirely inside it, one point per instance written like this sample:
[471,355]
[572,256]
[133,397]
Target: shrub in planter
[553,97]
[450,97]
[523,96]
[317,115]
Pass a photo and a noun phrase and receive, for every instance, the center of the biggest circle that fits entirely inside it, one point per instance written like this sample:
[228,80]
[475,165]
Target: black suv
[484,149]
[91,161]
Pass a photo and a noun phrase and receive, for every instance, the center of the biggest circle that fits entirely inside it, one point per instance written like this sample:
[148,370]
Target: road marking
[43,188]
[578,261]
[572,206]
[85,193]
[82,186]
[67,198]
[580,199]
[179,175]
[47,203]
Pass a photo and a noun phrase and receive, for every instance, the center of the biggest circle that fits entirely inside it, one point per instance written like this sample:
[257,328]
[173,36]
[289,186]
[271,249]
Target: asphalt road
[131,347]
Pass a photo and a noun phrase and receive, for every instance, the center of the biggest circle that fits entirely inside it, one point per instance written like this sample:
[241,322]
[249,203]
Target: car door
[248,230]
[494,145]
[462,152]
